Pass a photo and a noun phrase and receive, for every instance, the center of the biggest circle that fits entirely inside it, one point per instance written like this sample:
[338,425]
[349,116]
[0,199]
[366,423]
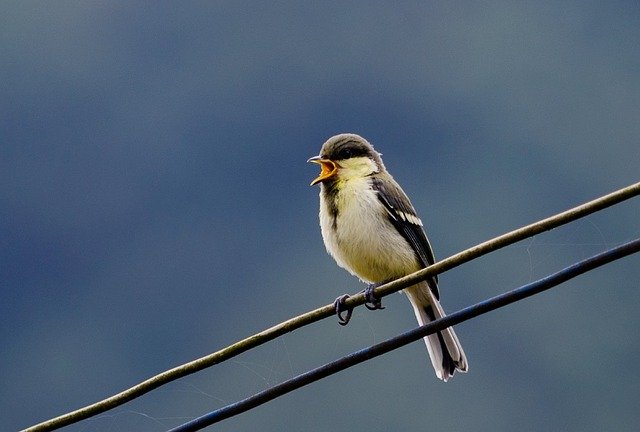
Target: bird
[372,230]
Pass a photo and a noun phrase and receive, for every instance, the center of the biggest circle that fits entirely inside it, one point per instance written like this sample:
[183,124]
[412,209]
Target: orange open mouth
[329,169]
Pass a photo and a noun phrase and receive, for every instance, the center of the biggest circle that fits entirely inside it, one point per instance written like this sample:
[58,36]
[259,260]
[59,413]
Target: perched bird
[371,229]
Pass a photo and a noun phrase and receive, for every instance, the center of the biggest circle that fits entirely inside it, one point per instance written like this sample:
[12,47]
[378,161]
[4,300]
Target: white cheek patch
[357,167]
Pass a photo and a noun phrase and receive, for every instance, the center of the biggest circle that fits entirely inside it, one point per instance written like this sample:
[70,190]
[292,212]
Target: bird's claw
[371,301]
[341,308]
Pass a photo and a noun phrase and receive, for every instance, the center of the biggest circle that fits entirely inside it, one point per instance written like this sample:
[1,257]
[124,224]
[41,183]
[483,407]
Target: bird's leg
[341,308]
[371,301]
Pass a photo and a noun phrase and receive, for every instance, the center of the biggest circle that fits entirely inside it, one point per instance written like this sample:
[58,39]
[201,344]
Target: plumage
[405,220]
[372,230]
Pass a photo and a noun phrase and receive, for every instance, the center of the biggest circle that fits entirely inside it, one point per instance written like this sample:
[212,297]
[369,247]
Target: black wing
[403,217]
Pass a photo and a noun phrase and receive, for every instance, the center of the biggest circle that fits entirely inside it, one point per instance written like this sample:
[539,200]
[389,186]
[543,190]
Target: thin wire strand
[328,310]
[410,336]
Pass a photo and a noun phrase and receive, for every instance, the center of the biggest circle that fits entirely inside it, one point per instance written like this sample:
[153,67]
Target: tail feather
[444,348]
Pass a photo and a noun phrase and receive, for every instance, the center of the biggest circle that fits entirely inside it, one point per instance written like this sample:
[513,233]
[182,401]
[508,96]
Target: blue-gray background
[155,206]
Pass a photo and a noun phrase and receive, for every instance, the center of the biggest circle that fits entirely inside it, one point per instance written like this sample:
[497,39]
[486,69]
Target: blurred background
[155,207]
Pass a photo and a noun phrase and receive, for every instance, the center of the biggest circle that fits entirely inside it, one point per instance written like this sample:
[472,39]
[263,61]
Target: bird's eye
[345,153]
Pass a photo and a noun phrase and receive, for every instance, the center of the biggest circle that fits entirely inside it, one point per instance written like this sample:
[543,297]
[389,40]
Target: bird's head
[346,156]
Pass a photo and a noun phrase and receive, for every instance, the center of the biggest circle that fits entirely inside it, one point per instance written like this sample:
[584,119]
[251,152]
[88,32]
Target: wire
[410,336]
[326,311]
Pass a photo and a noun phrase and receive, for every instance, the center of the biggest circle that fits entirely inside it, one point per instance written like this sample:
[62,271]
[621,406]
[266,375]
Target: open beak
[329,169]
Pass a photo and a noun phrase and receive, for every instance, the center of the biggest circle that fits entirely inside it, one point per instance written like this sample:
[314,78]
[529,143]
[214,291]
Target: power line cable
[410,336]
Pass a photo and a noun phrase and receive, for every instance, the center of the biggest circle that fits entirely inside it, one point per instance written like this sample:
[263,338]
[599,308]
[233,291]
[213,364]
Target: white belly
[365,242]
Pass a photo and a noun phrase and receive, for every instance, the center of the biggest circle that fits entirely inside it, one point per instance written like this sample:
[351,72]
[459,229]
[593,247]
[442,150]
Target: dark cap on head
[347,146]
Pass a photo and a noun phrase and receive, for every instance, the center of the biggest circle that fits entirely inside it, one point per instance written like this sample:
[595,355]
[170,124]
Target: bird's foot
[371,301]
[341,309]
